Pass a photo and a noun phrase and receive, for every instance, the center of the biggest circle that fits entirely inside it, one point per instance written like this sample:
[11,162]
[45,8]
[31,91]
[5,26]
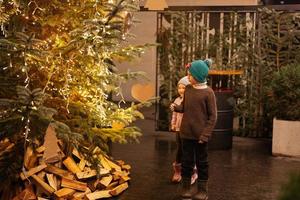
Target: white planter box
[286,138]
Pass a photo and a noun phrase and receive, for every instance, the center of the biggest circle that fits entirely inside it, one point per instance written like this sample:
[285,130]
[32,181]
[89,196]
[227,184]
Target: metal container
[222,134]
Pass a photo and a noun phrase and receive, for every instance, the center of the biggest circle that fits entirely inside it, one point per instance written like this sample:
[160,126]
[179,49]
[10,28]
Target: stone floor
[247,172]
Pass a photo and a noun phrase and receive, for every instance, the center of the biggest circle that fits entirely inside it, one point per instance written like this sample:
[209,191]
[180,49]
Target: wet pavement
[247,172]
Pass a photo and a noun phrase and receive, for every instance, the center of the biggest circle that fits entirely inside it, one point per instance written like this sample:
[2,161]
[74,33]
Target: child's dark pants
[179,148]
[194,153]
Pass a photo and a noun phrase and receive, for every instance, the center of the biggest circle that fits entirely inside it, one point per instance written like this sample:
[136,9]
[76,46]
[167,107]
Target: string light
[94,67]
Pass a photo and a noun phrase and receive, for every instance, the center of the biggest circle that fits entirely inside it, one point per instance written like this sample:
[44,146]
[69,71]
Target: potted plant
[286,107]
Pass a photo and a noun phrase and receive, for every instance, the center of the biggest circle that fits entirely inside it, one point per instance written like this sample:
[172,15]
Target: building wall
[145,32]
[209,2]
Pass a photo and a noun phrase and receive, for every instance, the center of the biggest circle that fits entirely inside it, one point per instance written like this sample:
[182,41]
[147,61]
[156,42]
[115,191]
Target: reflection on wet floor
[247,172]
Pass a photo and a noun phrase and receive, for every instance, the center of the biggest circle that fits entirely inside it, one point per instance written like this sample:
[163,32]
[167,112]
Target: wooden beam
[47,188]
[110,163]
[86,174]
[76,185]
[119,189]
[52,152]
[99,195]
[26,194]
[52,181]
[104,164]
[81,195]
[41,198]
[82,164]
[41,174]
[64,192]
[104,171]
[76,153]
[106,180]
[126,167]
[59,172]
[124,179]
[71,165]
[112,185]
[41,149]
[27,174]
[4,144]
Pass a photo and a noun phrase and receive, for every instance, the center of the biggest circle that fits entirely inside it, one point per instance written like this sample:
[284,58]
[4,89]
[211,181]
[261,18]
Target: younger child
[175,126]
[199,118]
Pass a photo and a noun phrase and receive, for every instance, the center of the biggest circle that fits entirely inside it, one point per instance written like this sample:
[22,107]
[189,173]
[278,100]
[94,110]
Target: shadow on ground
[247,172]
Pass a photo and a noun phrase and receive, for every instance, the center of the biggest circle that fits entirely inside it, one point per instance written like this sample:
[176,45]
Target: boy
[199,117]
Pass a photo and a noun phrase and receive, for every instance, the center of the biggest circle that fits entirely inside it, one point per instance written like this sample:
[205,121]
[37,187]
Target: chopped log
[28,154]
[120,188]
[103,171]
[88,164]
[71,165]
[106,180]
[120,173]
[76,185]
[81,164]
[126,167]
[26,174]
[124,179]
[76,153]
[116,177]
[92,184]
[86,174]
[96,150]
[39,191]
[41,198]
[32,161]
[111,163]
[41,149]
[52,151]
[75,198]
[57,178]
[64,192]
[4,144]
[99,195]
[60,144]
[7,149]
[47,188]
[104,163]
[41,174]
[52,181]
[120,162]
[82,194]
[26,194]
[60,172]
[112,185]
[40,155]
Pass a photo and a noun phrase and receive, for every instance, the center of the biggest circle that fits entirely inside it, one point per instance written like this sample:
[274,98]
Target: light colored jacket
[176,116]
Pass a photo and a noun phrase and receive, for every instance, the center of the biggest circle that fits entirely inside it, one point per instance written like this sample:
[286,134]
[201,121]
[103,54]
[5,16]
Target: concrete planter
[286,138]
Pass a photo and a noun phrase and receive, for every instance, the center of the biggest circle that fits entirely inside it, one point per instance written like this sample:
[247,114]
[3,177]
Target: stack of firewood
[70,177]
[5,145]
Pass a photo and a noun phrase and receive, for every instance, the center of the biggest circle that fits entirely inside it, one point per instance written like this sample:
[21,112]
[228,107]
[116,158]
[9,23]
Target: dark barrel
[222,134]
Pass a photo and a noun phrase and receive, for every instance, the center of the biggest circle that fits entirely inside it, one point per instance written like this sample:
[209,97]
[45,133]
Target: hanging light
[156,4]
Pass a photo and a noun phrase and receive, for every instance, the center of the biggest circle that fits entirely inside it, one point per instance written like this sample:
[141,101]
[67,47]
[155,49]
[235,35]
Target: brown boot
[177,172]
[186,192]
[202,193]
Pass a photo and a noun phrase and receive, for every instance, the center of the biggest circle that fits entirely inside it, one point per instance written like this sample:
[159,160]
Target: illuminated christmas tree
[57,68]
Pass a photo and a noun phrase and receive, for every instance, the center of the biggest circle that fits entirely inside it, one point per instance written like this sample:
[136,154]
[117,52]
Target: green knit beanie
[199,69]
